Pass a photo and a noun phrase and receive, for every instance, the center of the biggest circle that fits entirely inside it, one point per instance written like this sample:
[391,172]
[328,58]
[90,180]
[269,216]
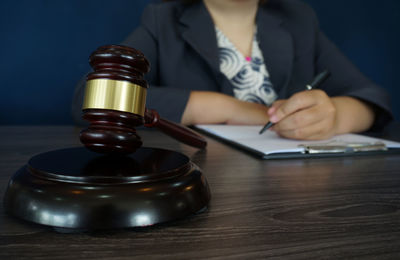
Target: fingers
[308,115]
[275,106]
[317,131]
[298,101]
[301,119]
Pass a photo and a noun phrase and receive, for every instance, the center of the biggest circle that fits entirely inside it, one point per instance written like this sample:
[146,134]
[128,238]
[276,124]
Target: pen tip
[266,127]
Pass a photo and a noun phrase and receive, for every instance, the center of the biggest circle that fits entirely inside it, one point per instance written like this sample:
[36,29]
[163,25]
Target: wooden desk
[321,208]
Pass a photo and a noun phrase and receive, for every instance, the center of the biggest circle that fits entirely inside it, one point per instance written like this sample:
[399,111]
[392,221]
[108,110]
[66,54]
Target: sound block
[79,189]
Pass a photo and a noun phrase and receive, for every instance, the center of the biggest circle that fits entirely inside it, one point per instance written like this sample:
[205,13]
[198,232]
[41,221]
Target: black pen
[314,84]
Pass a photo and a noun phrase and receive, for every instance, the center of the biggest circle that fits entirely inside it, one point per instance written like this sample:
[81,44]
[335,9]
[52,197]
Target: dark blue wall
[45,44]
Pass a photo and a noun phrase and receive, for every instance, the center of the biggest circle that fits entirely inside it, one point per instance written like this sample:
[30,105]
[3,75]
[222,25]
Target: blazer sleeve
[170,102]
[347,80]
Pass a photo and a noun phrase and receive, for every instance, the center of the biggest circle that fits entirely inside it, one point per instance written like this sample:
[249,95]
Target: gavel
[115,103]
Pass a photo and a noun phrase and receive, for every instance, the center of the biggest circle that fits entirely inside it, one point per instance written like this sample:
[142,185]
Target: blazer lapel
[198,31]
[276,45]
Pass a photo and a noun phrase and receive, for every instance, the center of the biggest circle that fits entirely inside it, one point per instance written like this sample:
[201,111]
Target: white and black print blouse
[248,75]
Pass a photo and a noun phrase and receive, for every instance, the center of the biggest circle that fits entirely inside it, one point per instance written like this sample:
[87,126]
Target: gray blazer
[180,42]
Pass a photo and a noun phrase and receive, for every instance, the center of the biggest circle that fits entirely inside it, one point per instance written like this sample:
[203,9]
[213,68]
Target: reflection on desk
[332,208]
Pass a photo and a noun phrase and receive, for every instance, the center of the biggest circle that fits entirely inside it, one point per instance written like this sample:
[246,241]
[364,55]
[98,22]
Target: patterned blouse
[248,75]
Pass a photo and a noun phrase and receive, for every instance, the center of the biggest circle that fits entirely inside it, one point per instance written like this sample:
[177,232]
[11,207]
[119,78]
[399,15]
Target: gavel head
[115,98]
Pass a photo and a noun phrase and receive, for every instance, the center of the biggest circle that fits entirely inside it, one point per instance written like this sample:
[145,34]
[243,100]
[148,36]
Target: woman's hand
[313,115]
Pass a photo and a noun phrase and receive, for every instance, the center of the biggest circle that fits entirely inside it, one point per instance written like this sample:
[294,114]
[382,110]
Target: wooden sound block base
[79,189]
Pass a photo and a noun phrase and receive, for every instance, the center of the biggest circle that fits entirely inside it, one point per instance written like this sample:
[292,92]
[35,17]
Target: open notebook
[271,146]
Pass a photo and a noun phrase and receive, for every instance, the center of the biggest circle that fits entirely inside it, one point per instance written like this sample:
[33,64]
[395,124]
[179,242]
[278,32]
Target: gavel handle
[177,131]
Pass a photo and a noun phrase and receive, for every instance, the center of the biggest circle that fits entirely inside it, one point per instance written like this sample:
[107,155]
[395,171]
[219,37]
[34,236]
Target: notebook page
[270,143]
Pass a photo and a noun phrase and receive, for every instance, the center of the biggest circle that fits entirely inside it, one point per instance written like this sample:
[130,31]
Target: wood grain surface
[331,208]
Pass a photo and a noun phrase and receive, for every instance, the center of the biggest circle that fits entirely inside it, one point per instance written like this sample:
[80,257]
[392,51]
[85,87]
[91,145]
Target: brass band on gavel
[115,95]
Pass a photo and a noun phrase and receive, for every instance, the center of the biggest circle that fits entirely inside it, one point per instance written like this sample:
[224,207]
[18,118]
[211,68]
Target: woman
[247,62]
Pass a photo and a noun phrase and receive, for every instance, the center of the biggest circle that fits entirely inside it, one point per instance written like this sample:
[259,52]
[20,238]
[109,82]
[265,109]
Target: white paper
[270,143]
